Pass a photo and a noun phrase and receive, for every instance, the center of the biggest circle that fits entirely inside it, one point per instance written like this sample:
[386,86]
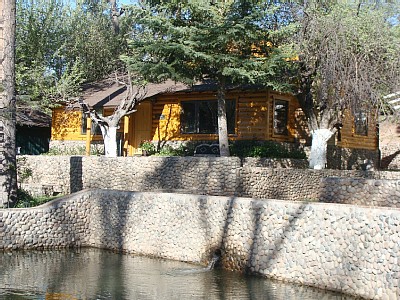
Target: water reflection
[99,274]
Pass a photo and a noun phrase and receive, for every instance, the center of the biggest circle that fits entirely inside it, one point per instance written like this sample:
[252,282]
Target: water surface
[100,274]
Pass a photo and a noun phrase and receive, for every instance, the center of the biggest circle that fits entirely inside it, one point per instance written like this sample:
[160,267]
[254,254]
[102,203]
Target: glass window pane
[281,117]
[361,123]
[188,117]
[202,116]
[83,123]
[208,117]
[95,129]
[231,115]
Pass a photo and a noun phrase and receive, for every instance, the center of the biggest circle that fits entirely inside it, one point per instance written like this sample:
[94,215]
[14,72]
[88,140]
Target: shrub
[25,199]
[264,149]
[148,146]
[95,149]
[181,150]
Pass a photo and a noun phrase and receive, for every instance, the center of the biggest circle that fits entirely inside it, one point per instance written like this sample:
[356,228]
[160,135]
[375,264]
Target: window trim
[93,127]
[196,101]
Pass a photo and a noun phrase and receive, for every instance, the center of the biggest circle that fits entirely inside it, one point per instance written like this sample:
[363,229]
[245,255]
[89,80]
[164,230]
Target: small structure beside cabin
[174,113]
[33,131]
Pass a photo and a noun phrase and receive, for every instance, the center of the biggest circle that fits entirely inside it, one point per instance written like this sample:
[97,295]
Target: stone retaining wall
[351,249]
[218,176]
[361,191]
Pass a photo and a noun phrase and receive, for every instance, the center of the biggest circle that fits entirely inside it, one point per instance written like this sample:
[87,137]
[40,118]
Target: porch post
[88,135]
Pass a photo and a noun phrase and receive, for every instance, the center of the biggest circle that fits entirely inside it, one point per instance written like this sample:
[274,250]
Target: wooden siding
[351,140]
[66,125]
[254,121]
[254,117]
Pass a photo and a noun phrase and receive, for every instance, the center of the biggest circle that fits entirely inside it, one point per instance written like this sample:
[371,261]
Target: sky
[127,1]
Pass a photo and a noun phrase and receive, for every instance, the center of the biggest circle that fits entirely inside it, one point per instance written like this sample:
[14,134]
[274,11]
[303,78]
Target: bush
[77,150]
[264,149]
[181,150]
[148,146]
[27,200]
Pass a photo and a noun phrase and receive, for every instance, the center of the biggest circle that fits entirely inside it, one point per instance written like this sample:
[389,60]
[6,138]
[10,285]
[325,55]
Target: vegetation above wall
[265,149]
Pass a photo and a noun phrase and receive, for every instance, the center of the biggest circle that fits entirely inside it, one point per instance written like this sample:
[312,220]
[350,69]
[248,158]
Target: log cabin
[174,112]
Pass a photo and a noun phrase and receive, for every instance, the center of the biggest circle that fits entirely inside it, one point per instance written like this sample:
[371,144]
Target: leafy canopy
[348,58]
[234,41]
[60,45]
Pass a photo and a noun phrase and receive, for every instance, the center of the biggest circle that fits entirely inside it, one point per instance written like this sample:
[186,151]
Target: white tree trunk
[319,143]
[110,141]
[222,123]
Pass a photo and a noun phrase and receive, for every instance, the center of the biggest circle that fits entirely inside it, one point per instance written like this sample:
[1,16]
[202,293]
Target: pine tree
[229,43]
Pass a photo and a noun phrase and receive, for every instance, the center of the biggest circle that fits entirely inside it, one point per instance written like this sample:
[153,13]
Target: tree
[133,96]
[60,46]
[8,170]
[229,43]
[348,59]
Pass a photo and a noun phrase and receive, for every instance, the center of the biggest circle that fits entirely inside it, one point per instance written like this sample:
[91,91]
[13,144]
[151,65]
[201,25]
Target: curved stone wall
[351,249]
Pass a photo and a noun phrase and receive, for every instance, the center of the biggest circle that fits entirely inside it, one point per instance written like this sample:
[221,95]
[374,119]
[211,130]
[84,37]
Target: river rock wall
[355,250]
[219,176]
[360,191]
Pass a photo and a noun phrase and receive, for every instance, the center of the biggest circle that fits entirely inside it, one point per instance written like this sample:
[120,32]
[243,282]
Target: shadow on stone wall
[76,173]
[292,219]
[387,160]
[174,174]
[113,219]
[354,159]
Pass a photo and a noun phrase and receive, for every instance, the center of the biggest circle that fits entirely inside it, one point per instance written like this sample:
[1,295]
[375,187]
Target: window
[361,123]
[95,129]
[281,108]
[83,123]
[202,116]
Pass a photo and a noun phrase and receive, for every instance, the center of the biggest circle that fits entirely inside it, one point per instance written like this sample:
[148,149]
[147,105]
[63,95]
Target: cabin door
[142,123]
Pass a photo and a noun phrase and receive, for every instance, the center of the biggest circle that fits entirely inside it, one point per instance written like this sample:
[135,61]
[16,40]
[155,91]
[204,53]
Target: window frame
[197,126]
[286,130]
[94,128]
[363,115]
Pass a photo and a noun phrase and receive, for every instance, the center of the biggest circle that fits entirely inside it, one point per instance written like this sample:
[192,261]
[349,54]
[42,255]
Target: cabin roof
[27,116]
[108,93]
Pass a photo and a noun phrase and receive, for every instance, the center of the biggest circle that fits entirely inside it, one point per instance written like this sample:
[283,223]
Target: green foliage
[349,57]
[265,149]
[60,45]
[148,146]
[182,150]
[23,172]
[230,42]
[78,150]
[95,149]
[27,200]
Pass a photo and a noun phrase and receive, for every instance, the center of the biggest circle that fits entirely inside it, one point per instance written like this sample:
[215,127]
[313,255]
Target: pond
[99,274]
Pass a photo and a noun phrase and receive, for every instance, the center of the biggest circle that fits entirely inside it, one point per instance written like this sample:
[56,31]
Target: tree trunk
[110,140]
[114,15]
[8,169]
[222,122]
[319,143]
